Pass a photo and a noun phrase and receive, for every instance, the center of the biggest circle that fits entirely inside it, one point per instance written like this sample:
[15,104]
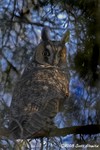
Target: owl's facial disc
[52,54]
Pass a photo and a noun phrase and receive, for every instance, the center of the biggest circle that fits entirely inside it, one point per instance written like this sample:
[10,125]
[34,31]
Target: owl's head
[51,52]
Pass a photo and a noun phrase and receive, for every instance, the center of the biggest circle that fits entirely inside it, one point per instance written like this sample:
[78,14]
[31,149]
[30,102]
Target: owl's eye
[46,53]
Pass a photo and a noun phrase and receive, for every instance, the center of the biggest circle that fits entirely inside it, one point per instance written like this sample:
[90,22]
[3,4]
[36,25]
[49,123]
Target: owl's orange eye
[46,53]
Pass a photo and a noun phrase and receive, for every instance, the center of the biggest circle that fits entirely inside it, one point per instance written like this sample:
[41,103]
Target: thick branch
[88,129]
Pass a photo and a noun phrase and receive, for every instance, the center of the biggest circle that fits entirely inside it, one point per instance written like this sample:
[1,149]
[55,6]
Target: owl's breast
[52,78]
[39,87]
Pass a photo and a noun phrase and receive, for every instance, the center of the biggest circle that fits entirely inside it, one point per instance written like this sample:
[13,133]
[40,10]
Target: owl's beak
[56,59]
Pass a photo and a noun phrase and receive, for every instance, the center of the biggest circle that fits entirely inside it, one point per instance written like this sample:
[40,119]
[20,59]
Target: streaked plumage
[41,90]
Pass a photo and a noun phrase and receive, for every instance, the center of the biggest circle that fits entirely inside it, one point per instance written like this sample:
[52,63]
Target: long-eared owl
[42,89]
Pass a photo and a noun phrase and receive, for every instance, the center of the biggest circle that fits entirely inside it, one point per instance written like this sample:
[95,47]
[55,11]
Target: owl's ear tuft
[45,34]
[66,37]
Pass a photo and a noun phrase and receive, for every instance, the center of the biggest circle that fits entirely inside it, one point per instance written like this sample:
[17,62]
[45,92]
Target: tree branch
[87,129]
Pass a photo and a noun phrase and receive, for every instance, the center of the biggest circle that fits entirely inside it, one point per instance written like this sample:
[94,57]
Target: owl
[41,90]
